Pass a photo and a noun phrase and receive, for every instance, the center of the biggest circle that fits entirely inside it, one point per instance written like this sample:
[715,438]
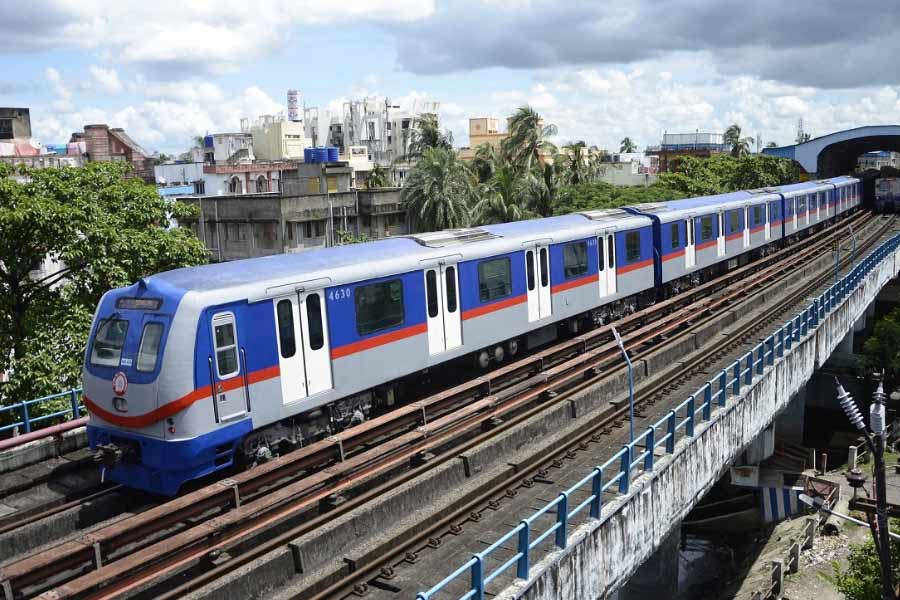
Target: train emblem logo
[119,384]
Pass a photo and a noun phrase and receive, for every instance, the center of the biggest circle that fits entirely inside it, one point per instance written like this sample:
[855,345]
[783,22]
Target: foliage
[739,145]
[626,145]
[343,237]
[721,173]
[590,196]
[438,191]
[527,139]
[94,229]
[162,159]
[882,349]
[505,197]
[574,163]
[861,580]
[376,178]
[427,134]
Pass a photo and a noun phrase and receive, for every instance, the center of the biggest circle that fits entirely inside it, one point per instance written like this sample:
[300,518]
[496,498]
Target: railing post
[780,343]
[736,384]
[73,396]
[670,429]
[625,479]
[689,425]
[562,519]
[789,339]
[26,420]
[723,387]
[524,542]
[772,341]
[649,443]
[597,491]
[707,401]
[478,577]
[762,358]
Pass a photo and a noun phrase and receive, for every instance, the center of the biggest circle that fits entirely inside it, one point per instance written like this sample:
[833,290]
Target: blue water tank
[332,154]
[322,155]
[208,141]
[308,155]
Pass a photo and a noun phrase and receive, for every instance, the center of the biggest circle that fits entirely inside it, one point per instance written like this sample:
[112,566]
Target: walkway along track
[127,555]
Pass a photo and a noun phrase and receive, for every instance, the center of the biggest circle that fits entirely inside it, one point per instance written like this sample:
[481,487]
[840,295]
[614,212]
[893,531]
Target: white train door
[303,348]
[721,239]
[442,308]
[537,281]
[606,264]
[746,227]
[768,221]
[228,369]
[794,205]
[690,250]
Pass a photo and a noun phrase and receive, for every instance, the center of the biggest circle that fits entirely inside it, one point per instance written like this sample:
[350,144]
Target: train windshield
[108,342]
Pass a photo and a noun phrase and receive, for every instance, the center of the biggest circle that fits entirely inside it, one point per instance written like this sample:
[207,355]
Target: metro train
[195,370]
[887,194]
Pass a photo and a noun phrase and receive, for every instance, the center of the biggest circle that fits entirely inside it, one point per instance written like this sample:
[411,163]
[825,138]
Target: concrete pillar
[762,447]
[846,345]
[860,324]
[790,422]
[658,576]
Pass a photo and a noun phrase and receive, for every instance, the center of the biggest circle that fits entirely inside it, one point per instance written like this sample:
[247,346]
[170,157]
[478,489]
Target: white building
[276,138]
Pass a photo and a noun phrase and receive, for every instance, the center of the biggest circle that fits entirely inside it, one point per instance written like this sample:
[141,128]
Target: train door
[537,276]
[690,250]
[794,205]
[606,261]
[303,349]
[768,217]
[228,369]
[721,239]
[746,227]
[442,308]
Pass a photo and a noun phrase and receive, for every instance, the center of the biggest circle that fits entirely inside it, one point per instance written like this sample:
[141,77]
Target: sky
[167,71]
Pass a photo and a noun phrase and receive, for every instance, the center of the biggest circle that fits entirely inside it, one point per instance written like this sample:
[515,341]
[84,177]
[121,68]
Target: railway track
[128,556]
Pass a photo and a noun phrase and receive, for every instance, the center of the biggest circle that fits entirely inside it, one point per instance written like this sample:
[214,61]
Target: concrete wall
[602,554]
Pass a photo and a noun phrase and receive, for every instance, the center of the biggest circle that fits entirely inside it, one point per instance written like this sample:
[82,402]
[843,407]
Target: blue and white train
[190,371]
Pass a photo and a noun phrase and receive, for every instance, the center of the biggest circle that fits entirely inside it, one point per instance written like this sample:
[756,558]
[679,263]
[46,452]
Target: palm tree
[597,162]
[739,146]
[545,190]
[527,139]
[626,145]
[505,197]
[486,159]
[575,163]
[438,191]
[376,178]
[427,134]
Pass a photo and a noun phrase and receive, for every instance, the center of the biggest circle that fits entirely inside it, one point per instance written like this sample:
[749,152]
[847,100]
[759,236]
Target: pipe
[42,433]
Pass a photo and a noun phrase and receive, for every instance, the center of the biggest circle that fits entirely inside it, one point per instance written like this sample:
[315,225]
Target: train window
[431,293]
[314,321]
[285,310]
[632,246]
[610,251]
[706,228]
[545,271]
[600,263]
[494,279]
[735,218]
[529,269]
[758,215]
[801,204]
[575,261]
[451,289]
[108,342]
[149,347]
[379,306]
[226,345]
[674,235]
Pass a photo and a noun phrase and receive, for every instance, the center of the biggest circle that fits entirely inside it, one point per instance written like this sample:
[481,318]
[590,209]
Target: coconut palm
[597,162]
[739,146]
[505,197]
[626,145]
[546,186]
[527,139]
[438,191]
[427,134]
[486,159]
[574,162]
[376,178]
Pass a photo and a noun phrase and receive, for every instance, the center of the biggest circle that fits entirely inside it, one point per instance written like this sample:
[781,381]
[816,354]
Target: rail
[20,412]
[617,471]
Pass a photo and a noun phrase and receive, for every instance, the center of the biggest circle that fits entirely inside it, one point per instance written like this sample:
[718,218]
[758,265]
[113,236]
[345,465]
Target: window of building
[312,185]
[494,279]
[734,217]
[6,129]
[378,306]
[289,227]
[199,187]
[149,347]
[243,232]
[262,184]
[632,246]
[234,186]
[332,184]
[108,342]
[674,235]
[706,228]
[314,321]
[285,311]
[226,345]
[575,262]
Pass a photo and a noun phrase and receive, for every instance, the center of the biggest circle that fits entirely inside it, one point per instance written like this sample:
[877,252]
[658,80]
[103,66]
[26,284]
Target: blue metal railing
[617,471]
[24,420]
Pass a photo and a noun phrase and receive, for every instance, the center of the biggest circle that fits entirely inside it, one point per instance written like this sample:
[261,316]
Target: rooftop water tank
[332,154]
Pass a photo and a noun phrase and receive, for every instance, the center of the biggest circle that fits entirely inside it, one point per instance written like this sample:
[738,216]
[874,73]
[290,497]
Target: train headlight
[120,404]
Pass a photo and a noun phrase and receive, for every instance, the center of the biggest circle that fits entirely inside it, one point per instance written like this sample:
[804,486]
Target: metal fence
[21,413]
[678,424]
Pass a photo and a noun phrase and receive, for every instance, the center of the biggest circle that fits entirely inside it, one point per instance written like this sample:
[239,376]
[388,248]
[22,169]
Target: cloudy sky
[169,70]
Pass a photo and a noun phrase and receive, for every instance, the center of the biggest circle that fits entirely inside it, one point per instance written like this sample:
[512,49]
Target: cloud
[57,86]
[106,80]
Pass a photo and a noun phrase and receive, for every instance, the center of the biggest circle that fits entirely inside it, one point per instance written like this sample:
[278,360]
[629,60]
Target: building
[15,124]
[105,144]
[676,145]
[221,148]
[276,138]
[878,159]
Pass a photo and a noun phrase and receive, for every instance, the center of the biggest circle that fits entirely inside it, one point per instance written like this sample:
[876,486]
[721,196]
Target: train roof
[672,210]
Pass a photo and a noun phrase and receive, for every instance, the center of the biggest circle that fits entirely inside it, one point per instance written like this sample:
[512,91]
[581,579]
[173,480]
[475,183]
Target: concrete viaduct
[836,153]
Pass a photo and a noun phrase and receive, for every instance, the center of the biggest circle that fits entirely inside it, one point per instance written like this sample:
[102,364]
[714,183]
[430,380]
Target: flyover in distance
[836,153]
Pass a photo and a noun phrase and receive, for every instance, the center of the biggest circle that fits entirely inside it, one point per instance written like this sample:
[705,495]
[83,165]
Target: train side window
[674,234]
[575,261]
[735,217]
[226,345]
[632,246]
[108,342]
[378,306]
[600,259]
[610,254]
[451,289]
[706,228]
[314,321]
[431,292]
[545,270]
[801,204]
[494,279]
[148,351]
[758,215]
[529,268]
[285,312]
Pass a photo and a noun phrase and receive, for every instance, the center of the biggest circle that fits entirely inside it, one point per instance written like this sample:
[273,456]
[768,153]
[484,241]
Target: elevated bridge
[836,153]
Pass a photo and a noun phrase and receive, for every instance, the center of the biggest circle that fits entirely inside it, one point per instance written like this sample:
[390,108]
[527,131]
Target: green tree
[738,145]
[596,195]
[427,134]
[93,228]
[505,197]
[486,157]
[438,191]
[626,145]
[528,138]
[861,579]
[723,173]
[545,189]
[574,162]
[348,237]
[376,178]
[882,349]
